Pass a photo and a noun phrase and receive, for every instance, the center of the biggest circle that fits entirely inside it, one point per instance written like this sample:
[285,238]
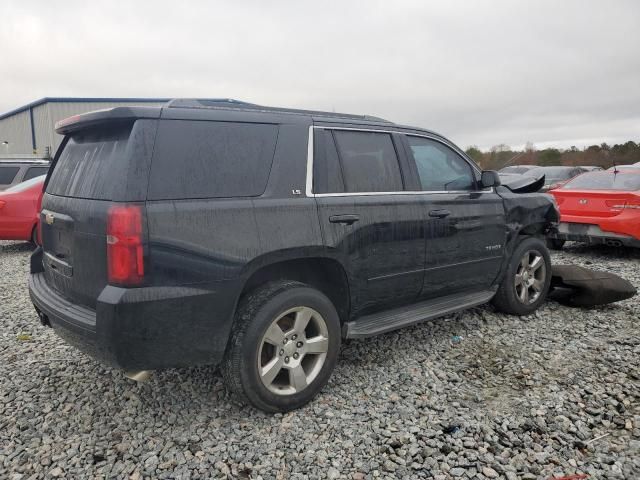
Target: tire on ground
[506,299]
[255,314]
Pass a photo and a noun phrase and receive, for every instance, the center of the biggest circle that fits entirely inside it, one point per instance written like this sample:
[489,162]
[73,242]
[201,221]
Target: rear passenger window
[369,161]
[34,172]
[439,167]
[199,159]
[7,174]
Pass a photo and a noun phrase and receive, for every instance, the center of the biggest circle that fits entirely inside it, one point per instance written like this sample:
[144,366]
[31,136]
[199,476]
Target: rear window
[35,172]
[555,173]
[7,174]
[92,164]
[604,181]
[200,159]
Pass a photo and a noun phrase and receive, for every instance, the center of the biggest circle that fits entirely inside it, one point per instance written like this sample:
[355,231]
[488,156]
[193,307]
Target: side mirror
[490,178]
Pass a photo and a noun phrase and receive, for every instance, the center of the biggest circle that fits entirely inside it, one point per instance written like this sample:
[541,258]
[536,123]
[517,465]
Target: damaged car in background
[255,238]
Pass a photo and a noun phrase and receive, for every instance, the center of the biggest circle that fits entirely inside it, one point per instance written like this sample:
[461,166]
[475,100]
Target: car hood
[523,183]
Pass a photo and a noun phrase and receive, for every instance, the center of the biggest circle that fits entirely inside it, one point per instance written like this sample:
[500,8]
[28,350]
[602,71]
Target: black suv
[221,232]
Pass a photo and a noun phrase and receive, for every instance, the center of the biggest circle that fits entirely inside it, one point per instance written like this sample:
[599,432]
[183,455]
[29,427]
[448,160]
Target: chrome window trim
[309,176]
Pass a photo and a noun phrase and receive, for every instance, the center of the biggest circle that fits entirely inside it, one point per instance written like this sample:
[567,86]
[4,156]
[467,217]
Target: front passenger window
[439,167]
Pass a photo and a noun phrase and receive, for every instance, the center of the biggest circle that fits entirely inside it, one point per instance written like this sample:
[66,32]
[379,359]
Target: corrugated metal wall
[16,129]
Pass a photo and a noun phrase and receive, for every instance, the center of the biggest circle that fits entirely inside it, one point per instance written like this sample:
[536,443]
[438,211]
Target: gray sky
[555,73]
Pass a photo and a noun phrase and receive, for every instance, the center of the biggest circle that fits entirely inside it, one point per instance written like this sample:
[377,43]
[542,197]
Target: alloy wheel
[293,350]
[530,277]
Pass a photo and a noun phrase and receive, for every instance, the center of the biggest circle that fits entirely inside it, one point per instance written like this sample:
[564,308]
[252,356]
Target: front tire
[526,282]
[283,348]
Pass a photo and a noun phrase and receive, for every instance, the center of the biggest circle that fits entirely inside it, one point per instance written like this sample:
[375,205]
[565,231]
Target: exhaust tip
[138,375]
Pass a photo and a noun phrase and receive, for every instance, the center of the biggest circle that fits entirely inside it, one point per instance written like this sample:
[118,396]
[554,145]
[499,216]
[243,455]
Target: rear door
[465,225]
[370,222]
[94,169]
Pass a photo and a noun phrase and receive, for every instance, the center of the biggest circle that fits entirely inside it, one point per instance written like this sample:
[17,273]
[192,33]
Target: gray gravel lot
[553,393]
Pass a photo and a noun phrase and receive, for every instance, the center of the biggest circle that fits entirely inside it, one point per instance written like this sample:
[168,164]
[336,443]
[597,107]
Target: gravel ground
[550,394]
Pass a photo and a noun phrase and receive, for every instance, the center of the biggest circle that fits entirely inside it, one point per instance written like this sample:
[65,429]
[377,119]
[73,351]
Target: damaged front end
[526,213]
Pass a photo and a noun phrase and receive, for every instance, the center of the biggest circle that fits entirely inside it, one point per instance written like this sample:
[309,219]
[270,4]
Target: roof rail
[230,103]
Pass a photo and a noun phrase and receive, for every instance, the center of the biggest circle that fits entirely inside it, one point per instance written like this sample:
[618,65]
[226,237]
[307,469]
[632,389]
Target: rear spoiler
[116,114]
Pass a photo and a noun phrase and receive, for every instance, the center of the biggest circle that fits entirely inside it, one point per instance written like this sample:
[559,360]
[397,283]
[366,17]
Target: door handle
[439,213]
[348,219]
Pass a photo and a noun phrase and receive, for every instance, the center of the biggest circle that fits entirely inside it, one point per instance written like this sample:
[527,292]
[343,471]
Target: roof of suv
[186,108]
[230,103]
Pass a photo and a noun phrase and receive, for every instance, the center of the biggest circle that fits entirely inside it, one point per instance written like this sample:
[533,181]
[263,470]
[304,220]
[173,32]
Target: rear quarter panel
[222,241]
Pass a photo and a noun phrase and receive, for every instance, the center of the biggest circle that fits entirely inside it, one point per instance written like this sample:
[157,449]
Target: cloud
[480,72]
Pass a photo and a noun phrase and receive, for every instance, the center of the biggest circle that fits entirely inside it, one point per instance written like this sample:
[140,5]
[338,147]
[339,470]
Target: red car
[19,207]
[601,207]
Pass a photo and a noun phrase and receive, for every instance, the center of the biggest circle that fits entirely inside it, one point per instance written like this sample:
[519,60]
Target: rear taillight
[622,204]
[2,203]
[125,252]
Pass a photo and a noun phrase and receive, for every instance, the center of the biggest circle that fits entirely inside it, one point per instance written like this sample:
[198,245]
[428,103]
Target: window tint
[35,172]
[92,164]
[439,167]
[604,181]
[7,174]
[211,159]
[369,162]
[327,176]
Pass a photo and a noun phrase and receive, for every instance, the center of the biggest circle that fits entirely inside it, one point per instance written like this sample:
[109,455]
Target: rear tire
[555,243]
[283,347]
[526,282]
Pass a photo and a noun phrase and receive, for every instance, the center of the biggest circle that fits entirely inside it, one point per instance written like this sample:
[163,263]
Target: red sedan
[601,207]
[19,207]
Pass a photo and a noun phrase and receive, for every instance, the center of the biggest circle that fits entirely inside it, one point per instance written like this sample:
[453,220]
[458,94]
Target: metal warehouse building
[29,130]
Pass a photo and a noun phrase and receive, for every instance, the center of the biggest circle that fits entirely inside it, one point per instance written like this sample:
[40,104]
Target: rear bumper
[142,328]
[592,234]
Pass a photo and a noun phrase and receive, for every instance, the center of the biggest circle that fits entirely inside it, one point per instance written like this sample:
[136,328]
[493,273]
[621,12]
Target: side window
[34,172]
[327,175]
[7,174]
[202,159]
[439,167]
[369,161]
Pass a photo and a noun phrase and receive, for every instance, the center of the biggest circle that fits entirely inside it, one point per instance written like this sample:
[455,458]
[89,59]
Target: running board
[388,320]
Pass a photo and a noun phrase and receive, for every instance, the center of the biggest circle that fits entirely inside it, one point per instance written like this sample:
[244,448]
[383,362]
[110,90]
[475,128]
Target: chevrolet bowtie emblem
[49,218]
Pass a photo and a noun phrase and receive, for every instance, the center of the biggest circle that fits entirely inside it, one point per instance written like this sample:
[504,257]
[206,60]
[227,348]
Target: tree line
[597,155]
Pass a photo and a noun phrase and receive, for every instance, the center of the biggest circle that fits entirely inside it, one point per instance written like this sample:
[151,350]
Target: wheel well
[325,274]
[535,229]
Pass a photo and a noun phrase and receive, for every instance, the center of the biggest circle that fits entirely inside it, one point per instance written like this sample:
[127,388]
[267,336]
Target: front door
[465,226]
[371,224]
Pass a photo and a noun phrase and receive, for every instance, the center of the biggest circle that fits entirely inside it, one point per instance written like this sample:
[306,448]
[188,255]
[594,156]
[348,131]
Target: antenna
[615,167]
